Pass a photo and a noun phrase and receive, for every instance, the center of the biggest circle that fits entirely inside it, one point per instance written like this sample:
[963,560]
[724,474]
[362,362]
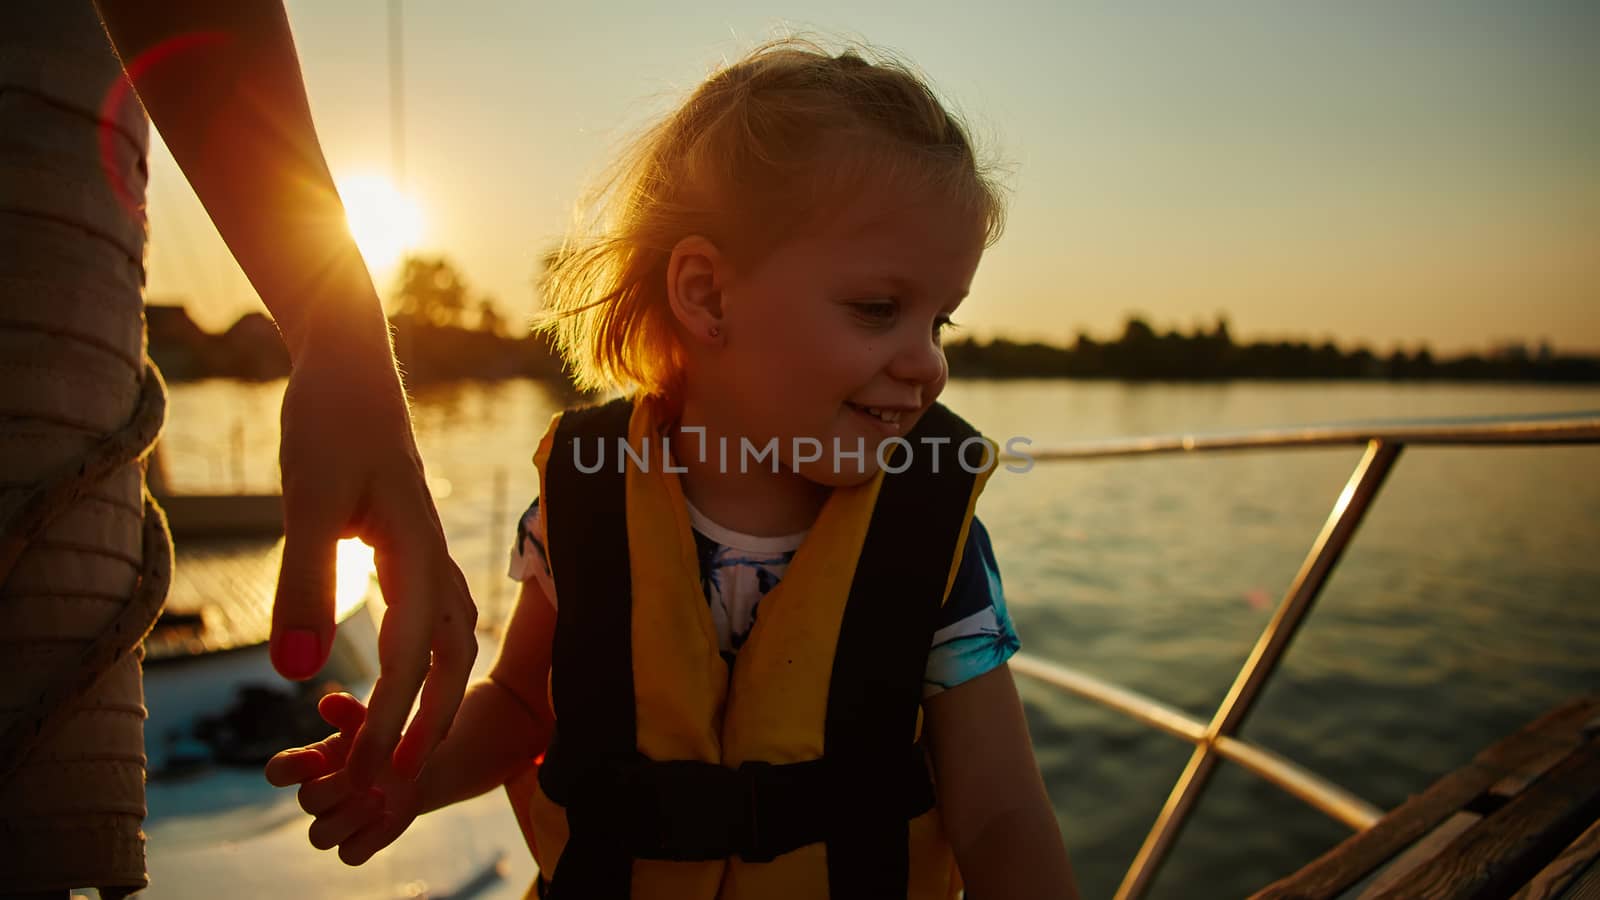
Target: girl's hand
[359,821]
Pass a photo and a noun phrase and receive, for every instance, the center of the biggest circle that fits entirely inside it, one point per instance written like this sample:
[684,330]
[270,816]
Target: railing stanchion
[1353,503]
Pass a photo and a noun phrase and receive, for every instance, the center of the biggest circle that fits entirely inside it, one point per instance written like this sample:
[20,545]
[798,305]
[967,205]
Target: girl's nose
[919,361]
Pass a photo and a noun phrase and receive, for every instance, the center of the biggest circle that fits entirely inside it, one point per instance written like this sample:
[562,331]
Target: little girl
[777,667]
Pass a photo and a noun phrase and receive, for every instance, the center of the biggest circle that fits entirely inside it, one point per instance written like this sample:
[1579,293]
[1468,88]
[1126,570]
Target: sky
[1370,172]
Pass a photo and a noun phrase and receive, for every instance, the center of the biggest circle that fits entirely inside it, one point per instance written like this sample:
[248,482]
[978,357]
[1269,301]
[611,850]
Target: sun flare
[385,222]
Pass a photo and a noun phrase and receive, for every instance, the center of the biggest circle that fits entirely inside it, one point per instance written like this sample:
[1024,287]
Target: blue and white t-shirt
[972,634]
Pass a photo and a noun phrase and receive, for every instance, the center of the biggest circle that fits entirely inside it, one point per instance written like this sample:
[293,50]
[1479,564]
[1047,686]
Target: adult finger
[303,608]
[455,647]
[404,657]
[404,654]
[355,812]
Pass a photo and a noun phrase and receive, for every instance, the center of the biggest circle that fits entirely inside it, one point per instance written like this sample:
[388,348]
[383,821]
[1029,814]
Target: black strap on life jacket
[592,652]
[872,778]
[692,810]
[882,652]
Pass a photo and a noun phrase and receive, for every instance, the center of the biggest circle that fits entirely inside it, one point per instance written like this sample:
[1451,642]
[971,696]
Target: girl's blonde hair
[766,146]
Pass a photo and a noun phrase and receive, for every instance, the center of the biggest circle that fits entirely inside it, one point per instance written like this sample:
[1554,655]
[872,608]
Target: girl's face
[840,319]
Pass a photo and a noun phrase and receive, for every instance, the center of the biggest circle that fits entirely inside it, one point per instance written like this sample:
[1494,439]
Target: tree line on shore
[441,335]
[1211,354]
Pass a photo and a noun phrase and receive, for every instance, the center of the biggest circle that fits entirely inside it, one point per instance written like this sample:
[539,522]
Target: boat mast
[397,111]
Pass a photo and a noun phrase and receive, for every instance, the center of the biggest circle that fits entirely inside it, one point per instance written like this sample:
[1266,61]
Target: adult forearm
[222,84]
[1019,856]
[492,738]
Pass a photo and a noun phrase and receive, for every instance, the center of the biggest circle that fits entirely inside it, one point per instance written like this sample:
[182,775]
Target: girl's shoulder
[977,584]
[973,633]
[528,557]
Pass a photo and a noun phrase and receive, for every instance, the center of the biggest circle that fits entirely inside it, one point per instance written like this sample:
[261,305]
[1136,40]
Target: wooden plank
[221,597]
[1509,847]
[1564,869]
[1441,836]
[1350,861]
[1419,853]
[1516,782]
[1587,886]
[223,515]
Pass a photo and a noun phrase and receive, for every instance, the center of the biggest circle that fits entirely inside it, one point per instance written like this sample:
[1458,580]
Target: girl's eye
[943,325]
[877,312]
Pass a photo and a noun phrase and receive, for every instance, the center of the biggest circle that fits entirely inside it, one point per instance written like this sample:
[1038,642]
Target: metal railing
[1216,740]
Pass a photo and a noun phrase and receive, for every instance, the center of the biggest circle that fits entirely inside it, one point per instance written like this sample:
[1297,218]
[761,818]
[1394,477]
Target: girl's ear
[696,273]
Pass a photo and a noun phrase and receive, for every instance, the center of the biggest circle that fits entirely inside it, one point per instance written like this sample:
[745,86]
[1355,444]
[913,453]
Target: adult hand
[351,469]
[359,821]
[222,82]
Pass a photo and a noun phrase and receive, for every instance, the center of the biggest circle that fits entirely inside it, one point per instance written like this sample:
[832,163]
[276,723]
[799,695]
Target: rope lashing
[34,512]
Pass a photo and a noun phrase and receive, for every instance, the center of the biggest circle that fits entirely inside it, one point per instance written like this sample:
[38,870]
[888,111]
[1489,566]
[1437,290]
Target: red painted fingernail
[297,653]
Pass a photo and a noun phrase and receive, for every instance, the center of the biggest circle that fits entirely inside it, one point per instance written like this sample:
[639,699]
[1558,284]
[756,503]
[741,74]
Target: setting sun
[385,222]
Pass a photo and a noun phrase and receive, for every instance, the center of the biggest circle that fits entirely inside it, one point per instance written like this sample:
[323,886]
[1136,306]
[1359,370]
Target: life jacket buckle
[747,842]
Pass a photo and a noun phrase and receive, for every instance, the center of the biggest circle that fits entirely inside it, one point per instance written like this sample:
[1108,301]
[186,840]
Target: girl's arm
[991,797]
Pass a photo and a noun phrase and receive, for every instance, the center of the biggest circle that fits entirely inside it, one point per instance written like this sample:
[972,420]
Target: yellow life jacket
[669,778]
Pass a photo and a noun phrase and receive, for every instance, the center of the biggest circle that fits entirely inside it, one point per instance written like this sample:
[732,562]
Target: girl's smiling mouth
[885,418]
